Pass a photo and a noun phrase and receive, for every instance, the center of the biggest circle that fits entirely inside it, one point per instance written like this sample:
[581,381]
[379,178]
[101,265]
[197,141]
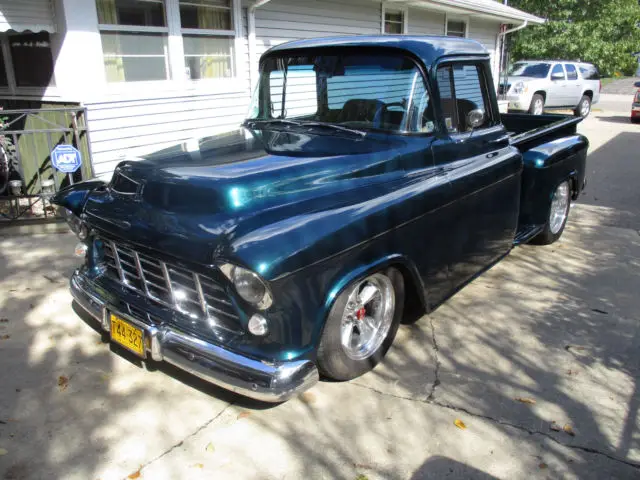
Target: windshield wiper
[273,121]
[310,125]
[334,127]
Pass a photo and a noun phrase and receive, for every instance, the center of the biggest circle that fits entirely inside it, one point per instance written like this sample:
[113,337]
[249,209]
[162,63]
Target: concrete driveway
[539,359]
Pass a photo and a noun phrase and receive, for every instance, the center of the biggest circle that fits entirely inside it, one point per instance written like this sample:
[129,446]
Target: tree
[603,32]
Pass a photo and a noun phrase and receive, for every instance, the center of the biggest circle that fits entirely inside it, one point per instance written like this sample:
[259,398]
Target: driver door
[482,168]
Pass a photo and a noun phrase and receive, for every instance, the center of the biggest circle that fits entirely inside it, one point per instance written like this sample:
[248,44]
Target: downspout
[502,38]
[251,27]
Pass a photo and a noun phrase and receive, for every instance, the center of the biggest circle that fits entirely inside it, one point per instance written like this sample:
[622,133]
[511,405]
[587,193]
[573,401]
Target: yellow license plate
[127,335]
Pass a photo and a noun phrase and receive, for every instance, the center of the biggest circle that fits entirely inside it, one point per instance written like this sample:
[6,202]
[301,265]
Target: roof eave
[499,11]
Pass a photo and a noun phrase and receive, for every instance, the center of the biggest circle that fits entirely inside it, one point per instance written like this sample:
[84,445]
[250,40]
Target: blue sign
[66,158]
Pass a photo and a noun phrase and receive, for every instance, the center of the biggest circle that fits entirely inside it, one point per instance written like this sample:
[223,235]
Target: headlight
[248,285]
[520,88]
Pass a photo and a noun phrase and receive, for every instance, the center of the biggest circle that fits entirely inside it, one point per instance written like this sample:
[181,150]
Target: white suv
[536,85]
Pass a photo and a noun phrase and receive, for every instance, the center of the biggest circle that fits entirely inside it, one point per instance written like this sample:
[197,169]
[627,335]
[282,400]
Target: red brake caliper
[360,313]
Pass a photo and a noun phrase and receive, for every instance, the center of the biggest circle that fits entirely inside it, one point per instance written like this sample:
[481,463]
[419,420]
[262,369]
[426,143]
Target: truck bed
[528,131]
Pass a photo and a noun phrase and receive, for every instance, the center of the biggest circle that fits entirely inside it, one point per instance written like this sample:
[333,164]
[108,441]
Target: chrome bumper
[266,382]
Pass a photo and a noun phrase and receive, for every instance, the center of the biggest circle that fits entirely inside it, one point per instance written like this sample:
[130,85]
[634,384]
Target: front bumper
[267,382]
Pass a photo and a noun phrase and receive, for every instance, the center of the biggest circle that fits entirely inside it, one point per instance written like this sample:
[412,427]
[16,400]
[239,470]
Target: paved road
[549,337]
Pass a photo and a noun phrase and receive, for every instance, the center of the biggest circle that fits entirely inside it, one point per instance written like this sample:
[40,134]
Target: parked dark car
[635,108]
[373,176]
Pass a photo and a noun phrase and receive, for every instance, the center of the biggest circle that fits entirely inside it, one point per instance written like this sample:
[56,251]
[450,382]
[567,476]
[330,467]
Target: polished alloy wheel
[538,107]
[367,317]
[585,108]
[559,208]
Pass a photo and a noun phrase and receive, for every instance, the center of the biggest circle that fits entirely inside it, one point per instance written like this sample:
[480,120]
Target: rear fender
[73,198]
[545,167]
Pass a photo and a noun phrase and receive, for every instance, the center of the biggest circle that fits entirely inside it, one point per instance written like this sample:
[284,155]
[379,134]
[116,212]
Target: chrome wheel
[538,106]
[367,317]
[559,208]
[585,107]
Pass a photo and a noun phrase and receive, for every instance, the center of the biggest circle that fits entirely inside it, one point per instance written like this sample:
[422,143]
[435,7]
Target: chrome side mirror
[475,118]
[557,76]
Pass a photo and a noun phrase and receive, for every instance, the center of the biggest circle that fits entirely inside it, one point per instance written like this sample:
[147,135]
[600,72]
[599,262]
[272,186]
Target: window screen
[456,29]
[394,22]
[572,73]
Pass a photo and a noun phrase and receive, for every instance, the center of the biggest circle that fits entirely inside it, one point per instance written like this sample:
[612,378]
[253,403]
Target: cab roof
[427,48]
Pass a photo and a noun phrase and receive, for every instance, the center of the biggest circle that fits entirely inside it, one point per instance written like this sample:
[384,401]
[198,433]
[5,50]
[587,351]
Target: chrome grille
[176,287]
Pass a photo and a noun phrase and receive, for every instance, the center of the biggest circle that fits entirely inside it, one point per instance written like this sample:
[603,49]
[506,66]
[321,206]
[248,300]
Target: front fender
[73,198]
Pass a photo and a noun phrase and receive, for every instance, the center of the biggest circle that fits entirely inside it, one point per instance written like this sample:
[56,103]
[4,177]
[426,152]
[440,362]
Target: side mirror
[557,76]
[475,118]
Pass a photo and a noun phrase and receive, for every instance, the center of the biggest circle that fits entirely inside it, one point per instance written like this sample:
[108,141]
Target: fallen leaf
[554,426]
[4,320]
[572,372]
[597,310]
[136,474]
[3,451]
[460,424]
[244,414]
[197,465]
[210,448]
[361,476]
[308,398]
[63,382]
[5,337]
[568,430]
[529,401]
[575,347]
[542,466]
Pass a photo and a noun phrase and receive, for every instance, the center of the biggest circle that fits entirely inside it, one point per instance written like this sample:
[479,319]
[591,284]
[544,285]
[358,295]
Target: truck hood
[200,198]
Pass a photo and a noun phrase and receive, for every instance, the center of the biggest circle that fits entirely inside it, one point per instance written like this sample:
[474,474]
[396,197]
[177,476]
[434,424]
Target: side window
[558,69]
[463,88]
[572,73]
[589,72]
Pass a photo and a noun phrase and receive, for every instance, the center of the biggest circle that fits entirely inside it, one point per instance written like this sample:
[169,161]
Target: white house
[155,72]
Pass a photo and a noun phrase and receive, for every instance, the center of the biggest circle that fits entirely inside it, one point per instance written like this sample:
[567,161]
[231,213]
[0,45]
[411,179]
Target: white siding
[486,32]
[283,20]
[425,22]
[19,15]
[130,128]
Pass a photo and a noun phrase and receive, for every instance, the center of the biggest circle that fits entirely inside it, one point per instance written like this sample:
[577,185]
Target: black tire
[584,107]
[547,236]
[333,362]
[533,108]
[635,120]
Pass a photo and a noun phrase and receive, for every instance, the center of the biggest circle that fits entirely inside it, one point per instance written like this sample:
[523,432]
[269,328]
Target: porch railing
[28,138]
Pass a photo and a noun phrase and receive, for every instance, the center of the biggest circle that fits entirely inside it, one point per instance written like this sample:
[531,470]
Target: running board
[527,233]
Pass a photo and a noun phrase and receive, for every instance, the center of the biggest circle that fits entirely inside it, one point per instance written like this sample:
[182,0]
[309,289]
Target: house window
[134,39]
[394,21]
[208,38]
[456,28]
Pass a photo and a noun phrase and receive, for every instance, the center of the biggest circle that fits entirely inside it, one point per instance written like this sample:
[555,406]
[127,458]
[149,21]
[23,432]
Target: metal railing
[28,136]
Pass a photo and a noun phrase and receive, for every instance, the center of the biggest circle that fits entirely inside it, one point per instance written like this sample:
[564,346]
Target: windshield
[383,92]
[535,70]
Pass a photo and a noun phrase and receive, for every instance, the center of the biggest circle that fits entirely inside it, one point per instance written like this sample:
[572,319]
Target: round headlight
[251,287]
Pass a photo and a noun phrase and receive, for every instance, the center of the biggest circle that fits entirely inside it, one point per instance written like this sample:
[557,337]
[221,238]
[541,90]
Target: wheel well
[589,94]
[575,189]
[414,307]
[542,93]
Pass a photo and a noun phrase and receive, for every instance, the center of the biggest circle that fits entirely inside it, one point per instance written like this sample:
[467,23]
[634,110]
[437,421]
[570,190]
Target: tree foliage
[603,32]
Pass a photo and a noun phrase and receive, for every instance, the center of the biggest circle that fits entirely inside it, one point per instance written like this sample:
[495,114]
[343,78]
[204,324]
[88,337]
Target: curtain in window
[107,12]
[213,19]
